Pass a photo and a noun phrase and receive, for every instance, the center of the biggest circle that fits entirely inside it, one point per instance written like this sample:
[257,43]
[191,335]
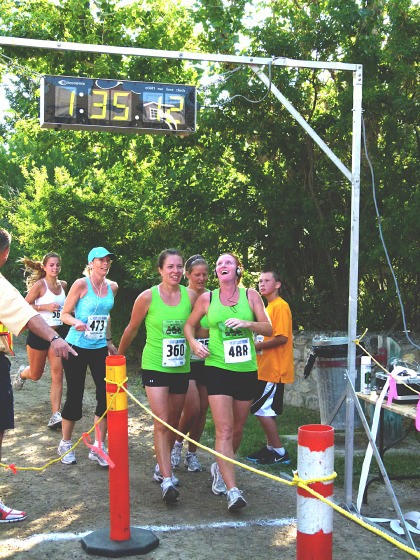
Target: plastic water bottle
[365,375]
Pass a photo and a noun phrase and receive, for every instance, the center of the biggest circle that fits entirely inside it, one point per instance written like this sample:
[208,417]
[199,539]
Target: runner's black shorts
[38,343]
[198,372]
[239,385]
[177,382]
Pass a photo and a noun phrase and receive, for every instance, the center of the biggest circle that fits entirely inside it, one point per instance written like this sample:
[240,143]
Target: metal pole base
[98,542]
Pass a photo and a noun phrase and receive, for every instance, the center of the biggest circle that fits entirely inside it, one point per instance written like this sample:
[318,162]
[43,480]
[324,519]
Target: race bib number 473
[97,325]
[237,350]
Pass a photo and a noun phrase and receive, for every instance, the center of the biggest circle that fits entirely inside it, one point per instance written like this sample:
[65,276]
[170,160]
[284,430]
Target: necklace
[98,290]
[231,298]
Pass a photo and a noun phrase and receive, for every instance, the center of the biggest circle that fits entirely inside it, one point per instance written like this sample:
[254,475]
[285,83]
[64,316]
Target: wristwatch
[55,338]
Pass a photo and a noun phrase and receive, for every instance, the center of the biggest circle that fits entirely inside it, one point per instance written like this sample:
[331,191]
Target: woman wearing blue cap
[86,310]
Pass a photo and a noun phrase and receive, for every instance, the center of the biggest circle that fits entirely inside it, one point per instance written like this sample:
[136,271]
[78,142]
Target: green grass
[253,437]
[401,460]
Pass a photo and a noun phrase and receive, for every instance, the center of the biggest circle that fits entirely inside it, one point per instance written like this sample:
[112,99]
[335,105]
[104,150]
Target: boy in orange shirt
[275,369]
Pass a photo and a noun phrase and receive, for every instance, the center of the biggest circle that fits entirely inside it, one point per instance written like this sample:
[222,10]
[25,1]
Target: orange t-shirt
[276,364]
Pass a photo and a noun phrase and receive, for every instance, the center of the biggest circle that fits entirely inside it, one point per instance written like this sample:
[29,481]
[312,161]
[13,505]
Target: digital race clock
[117,105]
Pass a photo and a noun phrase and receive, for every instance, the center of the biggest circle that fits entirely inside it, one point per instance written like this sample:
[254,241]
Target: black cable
[256,101]
[383,240]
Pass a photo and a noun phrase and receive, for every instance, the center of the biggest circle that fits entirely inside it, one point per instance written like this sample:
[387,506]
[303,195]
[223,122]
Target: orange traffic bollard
[121,539]
[314,517]
[119,485]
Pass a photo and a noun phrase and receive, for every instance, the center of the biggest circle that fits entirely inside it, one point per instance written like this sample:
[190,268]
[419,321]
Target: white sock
[280,450]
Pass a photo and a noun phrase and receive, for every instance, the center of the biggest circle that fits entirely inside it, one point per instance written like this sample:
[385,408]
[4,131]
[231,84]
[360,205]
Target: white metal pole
[155,53]
[353,280]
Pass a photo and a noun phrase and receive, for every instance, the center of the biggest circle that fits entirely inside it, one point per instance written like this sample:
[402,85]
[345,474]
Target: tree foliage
[250,180]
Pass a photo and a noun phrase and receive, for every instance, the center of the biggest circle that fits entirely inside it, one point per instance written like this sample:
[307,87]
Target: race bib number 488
[237,350]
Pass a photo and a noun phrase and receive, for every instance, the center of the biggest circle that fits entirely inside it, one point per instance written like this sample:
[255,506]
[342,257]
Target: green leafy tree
[250,180]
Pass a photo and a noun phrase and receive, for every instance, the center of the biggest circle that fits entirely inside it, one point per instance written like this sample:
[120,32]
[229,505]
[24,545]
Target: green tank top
[166,349]
[230,349]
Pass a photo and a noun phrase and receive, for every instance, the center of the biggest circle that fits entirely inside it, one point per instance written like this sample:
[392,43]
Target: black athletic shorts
[237,384]
[177,382]
[198,372]
[38,343]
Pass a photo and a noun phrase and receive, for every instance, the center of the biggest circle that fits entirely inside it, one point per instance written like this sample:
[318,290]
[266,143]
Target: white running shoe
[9,515]
[169,492]
[159,478]
[18,381]
[235,499]
[67,457]
[176,455]
[192,463]
[55,421]
[93,456]
[218,486]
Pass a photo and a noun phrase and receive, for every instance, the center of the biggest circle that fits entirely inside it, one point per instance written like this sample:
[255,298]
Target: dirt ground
[65,503]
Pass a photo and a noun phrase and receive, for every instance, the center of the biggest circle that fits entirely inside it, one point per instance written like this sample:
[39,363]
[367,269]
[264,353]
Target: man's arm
[278,340]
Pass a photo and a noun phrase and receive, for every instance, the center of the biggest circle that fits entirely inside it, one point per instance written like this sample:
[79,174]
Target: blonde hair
[87,271]
[33,269]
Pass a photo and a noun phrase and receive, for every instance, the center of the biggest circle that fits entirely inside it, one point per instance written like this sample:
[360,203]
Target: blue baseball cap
[99,253]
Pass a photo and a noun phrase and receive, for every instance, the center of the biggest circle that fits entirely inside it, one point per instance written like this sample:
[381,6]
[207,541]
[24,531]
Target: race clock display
[117,105]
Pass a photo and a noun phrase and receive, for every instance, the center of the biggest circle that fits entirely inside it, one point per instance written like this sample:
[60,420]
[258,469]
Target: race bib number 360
[237,350]
[173,352]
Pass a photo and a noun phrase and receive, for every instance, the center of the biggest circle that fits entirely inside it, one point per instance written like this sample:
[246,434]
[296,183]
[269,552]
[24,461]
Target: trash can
[331,363]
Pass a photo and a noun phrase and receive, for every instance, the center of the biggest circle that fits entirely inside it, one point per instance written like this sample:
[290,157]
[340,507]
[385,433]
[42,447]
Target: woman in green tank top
[234,314]
[165,359]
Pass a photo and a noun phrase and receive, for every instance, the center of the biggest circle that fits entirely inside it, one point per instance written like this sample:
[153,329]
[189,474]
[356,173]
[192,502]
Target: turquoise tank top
[166,349]
[94,311]
[231,349]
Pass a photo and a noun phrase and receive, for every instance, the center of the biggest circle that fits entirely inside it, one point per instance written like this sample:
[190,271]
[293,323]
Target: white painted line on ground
[50,537]
[222,525]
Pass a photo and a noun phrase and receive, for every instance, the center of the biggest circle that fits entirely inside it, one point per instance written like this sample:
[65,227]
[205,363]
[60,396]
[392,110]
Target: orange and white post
[119,490]
[314,517]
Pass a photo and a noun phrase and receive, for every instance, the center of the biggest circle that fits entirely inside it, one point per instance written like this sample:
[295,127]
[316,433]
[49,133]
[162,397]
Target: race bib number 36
[97,327]
[237,350]
[173,352]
